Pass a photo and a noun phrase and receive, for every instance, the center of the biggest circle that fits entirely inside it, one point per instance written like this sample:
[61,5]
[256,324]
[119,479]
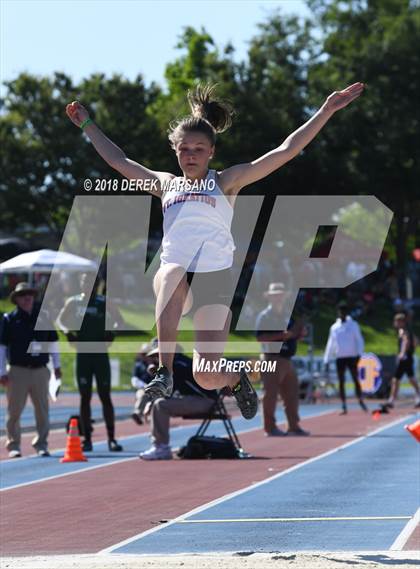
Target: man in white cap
[28,373]
[283,380]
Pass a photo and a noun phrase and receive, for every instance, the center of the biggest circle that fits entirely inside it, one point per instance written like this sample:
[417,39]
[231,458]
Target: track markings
[287,520]
[249,488]
[404,536]
[84,468]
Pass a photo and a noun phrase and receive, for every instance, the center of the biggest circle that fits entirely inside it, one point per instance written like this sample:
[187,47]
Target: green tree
[45,158]
[374,146]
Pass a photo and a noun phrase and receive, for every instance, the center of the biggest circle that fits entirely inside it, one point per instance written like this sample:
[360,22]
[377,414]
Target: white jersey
[197,219]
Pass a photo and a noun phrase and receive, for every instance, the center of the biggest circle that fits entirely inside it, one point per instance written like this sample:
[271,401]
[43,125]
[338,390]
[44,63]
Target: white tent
[45,261]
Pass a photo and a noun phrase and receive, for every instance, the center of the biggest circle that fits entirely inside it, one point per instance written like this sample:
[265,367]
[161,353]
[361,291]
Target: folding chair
[218,412]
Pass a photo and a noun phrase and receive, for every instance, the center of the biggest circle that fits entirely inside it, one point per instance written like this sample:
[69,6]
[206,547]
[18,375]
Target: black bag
[208,447]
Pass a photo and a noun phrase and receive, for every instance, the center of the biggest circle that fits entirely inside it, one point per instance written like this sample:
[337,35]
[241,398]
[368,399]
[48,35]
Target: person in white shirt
[345,343]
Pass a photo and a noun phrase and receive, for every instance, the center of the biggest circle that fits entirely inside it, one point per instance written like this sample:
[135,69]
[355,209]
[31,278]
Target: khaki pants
[23,382]
[283,381]
[163,409]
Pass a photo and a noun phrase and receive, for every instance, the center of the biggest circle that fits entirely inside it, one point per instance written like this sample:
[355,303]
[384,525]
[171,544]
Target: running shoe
[299,432]
[276,432]
[113,446]
[43,452]
[87,445]
[158,452]
[15,453]
[161,385]
[246,396]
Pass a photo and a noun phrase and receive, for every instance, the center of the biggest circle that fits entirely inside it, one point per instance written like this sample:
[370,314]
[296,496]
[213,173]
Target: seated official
[141,376]
[188,398]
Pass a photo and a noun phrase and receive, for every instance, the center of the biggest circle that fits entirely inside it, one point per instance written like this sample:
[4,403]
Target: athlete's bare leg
[415,384]
[172,300]
[211,331]
[207,320]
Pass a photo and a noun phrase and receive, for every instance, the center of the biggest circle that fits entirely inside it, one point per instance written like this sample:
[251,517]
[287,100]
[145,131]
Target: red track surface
[89,511]
[413,543]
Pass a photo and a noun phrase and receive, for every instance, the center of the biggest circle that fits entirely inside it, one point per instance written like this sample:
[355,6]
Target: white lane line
[116,461]
[227,497]
[406,532]
[88,468]
[286,520]
[55,476]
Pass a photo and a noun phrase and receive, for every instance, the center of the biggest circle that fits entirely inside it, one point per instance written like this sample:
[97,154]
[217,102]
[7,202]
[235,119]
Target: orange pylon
[74,451]
[376,415]
[414,429]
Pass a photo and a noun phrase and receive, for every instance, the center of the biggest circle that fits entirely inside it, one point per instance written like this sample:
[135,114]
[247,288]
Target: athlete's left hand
[340,99]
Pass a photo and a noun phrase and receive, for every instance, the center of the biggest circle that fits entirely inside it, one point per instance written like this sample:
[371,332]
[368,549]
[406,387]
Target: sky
[81,37]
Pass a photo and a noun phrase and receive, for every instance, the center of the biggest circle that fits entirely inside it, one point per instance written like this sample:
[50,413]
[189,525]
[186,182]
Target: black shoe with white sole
[87,446]
[114,446]
[161,385]
[246,396]
[43,452]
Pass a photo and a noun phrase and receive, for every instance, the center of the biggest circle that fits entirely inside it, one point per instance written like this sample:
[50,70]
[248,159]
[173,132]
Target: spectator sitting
[140,378]
[188,398]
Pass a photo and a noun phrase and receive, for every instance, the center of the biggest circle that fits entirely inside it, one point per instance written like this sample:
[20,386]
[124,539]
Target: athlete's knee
[172,276]
[207,380]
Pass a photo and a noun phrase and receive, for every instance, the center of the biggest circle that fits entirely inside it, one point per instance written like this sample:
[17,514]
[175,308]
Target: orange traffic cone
[74,451]
[414,429]
[376,415]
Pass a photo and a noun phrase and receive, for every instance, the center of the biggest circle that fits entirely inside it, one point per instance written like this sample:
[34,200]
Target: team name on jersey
[203,198]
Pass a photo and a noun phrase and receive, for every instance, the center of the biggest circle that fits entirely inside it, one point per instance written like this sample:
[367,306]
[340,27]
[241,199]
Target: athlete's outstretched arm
[237,177]
[110,152]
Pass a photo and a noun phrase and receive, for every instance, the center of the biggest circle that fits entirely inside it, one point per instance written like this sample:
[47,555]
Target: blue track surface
[30,469]
[58,414]
[378,476]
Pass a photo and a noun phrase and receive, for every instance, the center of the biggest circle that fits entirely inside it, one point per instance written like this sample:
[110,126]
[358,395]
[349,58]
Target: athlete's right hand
[76,113]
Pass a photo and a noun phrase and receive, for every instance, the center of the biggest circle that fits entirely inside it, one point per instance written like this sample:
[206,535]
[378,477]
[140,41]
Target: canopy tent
[45,261]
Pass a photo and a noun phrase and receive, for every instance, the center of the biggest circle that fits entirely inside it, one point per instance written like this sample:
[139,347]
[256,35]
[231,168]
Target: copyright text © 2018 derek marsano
[147,185]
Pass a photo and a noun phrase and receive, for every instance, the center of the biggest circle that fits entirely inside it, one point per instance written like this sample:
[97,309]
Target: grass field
[379,337]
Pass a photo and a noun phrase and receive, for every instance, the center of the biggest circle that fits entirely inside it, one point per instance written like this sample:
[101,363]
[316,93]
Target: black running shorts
[211,288]
[405,367]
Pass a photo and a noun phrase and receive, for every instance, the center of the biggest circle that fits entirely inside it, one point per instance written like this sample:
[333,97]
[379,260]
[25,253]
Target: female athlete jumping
[197,242]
